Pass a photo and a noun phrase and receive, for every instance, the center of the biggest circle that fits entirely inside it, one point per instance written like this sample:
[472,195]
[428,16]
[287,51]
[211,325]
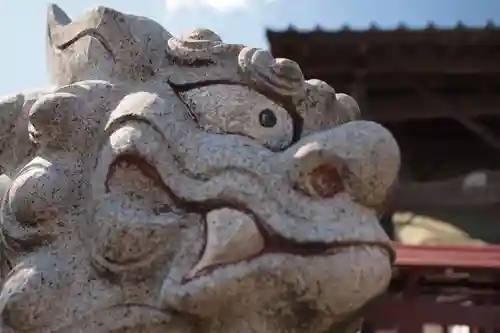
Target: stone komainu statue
[186,185]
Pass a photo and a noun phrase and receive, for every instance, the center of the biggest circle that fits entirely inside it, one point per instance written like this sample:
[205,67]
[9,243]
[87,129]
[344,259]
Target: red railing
[445,285]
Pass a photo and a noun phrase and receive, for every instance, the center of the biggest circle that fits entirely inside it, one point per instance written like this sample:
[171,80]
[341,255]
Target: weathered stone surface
[186,185]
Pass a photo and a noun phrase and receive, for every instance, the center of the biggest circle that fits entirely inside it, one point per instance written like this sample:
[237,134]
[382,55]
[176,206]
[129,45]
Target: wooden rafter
[417,68]
[482,132]
[475,189]
[456,191]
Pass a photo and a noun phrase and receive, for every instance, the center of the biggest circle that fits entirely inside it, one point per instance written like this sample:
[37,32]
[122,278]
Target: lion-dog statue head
[188,185]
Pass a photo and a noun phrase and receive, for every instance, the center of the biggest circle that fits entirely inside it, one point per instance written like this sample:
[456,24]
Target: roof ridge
[401,26]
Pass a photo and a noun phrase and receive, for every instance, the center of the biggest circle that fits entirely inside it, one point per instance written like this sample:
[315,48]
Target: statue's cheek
[32,294]
[134,222]
[125,238]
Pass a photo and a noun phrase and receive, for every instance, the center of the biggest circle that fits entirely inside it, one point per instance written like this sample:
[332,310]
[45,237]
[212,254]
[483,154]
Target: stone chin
[326,286]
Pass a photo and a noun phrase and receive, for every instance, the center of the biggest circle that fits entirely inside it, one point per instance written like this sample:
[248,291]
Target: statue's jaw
[126,318]
[304,252]
[234,232]
[237,257]
[325,287]
[235,236]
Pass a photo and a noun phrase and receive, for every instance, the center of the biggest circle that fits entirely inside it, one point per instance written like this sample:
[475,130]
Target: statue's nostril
[316,171]
[359,158]
[323,181]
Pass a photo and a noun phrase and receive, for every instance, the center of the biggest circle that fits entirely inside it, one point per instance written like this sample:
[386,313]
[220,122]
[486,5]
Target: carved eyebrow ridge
[297,120]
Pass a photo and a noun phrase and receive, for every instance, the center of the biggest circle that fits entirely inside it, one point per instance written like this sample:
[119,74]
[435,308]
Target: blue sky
[22,23]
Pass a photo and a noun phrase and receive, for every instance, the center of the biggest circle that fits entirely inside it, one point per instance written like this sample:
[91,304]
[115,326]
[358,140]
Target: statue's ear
[103,44]
[74,48]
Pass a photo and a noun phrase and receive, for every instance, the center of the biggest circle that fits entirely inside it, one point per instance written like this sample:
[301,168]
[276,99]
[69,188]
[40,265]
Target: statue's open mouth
[234,233]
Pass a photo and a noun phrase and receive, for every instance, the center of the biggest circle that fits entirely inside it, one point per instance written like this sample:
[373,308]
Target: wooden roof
[460,34]
[459,65]
[460,50]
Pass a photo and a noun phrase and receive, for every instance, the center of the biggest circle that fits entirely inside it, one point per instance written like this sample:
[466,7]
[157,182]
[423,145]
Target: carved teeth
[231,236]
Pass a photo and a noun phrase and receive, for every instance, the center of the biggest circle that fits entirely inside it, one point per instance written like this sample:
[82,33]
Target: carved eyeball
[267,118]
[240,110]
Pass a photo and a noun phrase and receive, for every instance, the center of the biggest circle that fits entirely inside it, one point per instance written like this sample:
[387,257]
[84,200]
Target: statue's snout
[361,158]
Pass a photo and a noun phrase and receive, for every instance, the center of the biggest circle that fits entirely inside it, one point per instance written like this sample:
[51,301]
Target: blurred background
[428,70]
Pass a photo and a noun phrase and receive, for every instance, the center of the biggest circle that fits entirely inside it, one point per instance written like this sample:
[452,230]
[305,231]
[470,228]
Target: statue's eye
[240,110]
[267,118]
